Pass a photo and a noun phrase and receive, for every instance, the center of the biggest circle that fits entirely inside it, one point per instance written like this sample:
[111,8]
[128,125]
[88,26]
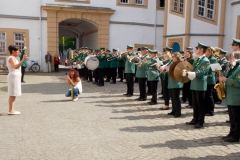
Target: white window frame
[137,2]
[206,9]
[3,41]
[124,2]
[19,41]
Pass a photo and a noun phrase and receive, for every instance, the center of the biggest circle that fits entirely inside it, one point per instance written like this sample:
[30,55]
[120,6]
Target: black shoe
[113,82]
[129,95]
[164,108]
[226,111]
[23,81]
[152,103]
[177,115]
[191,123]
[231,139]
[107,81]
[162,97]
[227,121]
[188,106]
[182,101]
[225,137]
[125,94]
[142,99]
[89,81]
[198,125]
[100,85]
[209,114]
[171,113]
[137,99]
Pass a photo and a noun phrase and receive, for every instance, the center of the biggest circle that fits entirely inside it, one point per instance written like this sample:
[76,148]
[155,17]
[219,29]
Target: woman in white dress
[14,77]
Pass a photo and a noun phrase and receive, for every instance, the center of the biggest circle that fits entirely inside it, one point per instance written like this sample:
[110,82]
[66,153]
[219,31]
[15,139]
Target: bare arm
[13,63]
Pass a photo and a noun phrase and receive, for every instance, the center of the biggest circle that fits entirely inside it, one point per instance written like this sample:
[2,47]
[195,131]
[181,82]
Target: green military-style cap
[164,49]
[236,41]
[221,51]
[114,49]
[90,49]
[189,48]
[168,49]
[97,50]
[152,51]
[201,45]
[144,48]
[85,47]
[102,48]
[181,52]
[129,46]
[108,50]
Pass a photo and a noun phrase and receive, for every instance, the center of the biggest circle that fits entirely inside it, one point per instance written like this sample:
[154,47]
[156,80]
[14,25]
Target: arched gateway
[96,21]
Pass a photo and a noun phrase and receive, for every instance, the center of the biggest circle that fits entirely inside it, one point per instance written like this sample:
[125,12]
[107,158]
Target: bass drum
[91,62]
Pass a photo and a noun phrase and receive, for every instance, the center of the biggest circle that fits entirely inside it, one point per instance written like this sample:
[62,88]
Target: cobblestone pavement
[103,124]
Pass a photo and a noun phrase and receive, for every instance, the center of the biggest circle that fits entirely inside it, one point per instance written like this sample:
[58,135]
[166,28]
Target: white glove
[191,75]
[184,73]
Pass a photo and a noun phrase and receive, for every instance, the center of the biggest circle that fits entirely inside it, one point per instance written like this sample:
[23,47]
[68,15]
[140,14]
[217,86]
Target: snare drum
[91,62]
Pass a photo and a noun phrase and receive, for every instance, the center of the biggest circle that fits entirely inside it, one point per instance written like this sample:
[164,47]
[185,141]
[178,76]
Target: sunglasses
[234,44]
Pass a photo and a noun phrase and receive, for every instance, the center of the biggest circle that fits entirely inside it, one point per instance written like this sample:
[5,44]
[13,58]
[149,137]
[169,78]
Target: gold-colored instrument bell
[171,70]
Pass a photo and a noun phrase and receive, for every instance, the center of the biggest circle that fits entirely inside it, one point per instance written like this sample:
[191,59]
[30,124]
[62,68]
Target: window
[161,3]
[139,2]
[19,40]
[206,8]
[178,6]
[2,42]
[124,1]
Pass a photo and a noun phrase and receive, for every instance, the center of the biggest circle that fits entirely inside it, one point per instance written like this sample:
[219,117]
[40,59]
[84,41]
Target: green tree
[69,42]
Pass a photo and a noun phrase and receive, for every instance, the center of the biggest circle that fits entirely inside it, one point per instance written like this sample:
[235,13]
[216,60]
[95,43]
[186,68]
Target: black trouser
[100,75]
[198,104]
[130,84]
[187,93]
[96,77]
[85,69]
[175,98]
[81,72]
[161,85]
[216,99]
[23,72]
[56,67]
[90,75]
[142,87]
[234,116]
[114,74]
[149,87]
[166,92]
[209,101]
[153,85]
[108,73]
[120,73]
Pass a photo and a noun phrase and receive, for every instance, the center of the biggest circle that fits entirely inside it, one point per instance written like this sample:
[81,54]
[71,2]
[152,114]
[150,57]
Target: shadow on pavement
[229,156]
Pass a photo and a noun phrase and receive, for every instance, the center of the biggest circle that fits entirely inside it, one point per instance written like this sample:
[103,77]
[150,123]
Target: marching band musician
[107,66]
[129,70]
[232,84]
[164,75]
[141,73]
[90,72]
[168,49]
[209,110]
[120,64]
[198,85]
[153,75]
[101,58]
[95,72]
[186,94]
[223,62]
[174,89]
[80,60]
[85,69]
[113,66]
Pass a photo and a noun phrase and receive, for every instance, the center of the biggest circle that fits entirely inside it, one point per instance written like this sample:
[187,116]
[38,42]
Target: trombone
[112,58]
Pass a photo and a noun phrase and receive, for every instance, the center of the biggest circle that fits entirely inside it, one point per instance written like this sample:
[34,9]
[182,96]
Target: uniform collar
[201,56]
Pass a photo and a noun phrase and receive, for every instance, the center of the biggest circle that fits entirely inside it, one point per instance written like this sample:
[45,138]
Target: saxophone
[220,88]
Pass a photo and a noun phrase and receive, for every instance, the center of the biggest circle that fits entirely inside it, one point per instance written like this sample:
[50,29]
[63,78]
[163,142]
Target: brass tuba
[220,88]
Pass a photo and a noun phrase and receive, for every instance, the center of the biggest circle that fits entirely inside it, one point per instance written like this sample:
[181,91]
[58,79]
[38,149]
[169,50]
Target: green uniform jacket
[113,63]
[223,63]
[101,60]
[162,75]
[24,64]
[172,83]
[233,87]
[107,63]
[211,75]
[191,61]
[152,71]
[129,66]
[142,69]
[201,68]
[120,63]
